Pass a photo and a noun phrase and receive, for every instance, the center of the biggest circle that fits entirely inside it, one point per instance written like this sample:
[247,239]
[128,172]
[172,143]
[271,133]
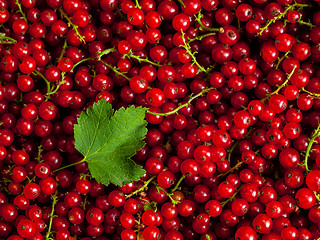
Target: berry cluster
[232,89]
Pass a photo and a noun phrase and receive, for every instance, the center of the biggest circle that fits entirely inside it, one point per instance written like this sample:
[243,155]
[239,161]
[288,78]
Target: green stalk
[235,167]
[174,202]
[317,196]
[70,165]
[281,15]
[10,40]
[281,86]
[309,24]
[20,11]
[182,3]
[231,149]
[98,57]
[40,150]
[231,198]
[311,142]
[106,52]
[70,23]
[56,88]
[187,47]
[65,44]
[182,105]
[178,183]
[281,59]
[137,4]
[146,60]
[199,38]
[36,72]
[315,95]
[144,187]
[81,61]
[115,70]
[198,19]
[54,198]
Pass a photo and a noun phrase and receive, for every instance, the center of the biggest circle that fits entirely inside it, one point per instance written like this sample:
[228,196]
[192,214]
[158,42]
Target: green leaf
[107,141]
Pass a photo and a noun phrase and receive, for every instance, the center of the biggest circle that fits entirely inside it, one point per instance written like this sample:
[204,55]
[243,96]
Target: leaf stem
[312,140]
[183,105]
[70,165]
[145,186]
[54,198]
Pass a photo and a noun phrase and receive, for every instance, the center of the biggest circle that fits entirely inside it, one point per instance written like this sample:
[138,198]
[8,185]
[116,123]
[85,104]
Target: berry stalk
[114,69]
[199,38]
[54,198]
[235,167]
[178,183]
[20,11]
[281,86]
[231,198]
[144,187]
[6,40]
[183,105]
[315,95]
[70,23]
[146,60]
[198,19]
[65,45]
[104,52]
[281,15]
[174,202]
[36,72]
[311,142]
[187,47]
[282,58]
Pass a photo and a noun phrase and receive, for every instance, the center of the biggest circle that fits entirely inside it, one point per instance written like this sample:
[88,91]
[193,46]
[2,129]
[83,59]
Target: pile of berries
[232,89]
